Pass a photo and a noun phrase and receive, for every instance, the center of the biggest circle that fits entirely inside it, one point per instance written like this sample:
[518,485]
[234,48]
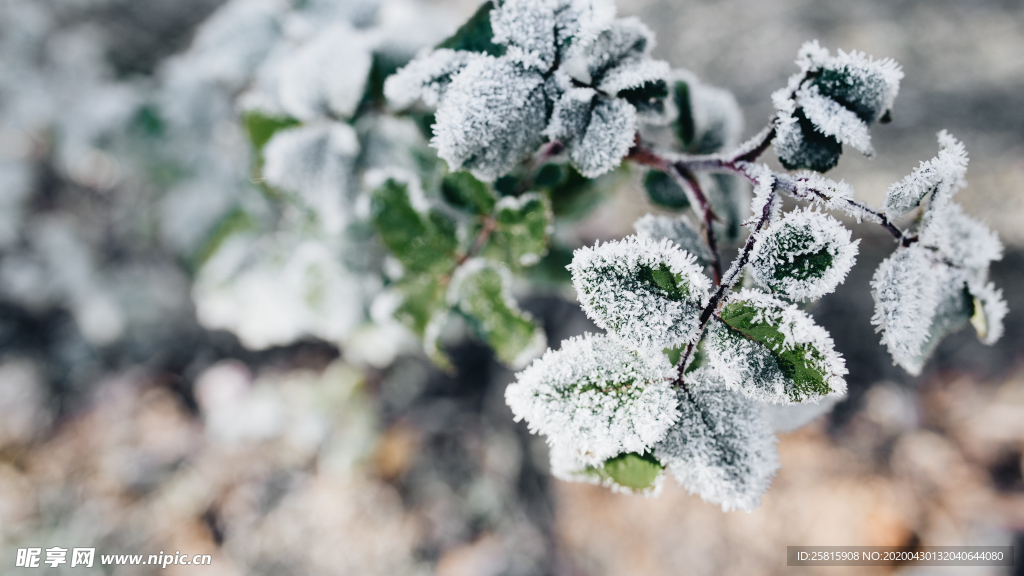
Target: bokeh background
[127,426]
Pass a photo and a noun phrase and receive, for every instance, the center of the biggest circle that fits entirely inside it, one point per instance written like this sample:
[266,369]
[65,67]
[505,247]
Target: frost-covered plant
[535,107]
[522,82]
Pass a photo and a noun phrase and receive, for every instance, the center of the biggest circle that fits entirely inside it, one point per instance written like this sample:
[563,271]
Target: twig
[728,281]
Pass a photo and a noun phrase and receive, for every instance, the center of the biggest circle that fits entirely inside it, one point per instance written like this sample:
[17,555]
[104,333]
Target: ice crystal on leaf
[596,130]
[721,448]
[523,70]
[804,255]
[942,176]
[491,117]
[771,351]
[646,293]
[831,101]
[596,397]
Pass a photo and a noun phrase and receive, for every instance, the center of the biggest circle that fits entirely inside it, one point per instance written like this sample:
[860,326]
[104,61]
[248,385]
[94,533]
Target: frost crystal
[596,397]
[762,192]
[597,131]
[943,175]
[805,255]
[832,119]
[908,288]
[491,117]
[426,78]
[772,351]
[677,229]
[721,448]
[644,292]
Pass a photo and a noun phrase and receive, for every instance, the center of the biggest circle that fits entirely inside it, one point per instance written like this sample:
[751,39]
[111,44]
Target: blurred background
[129,426]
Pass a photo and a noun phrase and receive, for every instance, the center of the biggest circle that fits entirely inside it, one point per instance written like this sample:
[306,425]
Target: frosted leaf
[481,290]
[580,22]
[772,351]
[819,110]
[326,77]
[626,39]
[678,229]
[491,117]
[709,120]
[646,293]
[910,291]
[527,28]
[786,418]
[427,77]
[961,240]
[642,84]
[721,448]
[804,256]
[630,473]
[833,119]
[314,162]
[799,145]
[989,311]
[597,131]
[943,176]
[596,397]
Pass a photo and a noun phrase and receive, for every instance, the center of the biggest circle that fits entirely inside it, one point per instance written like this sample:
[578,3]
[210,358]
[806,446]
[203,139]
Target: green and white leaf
[773,352]
[646,293]
[522,226]
[721,448]
[804,255]
[422,238]
[630,473]
[596,397]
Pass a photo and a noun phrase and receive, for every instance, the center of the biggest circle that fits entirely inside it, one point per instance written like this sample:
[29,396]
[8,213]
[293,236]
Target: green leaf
[861,93]
[421,241]
[521,229]
[798,362]
[630,470]
[476,34]
[648,97]
[801,265]
[262,127]
[810,149]
[480,291]
[663,190]
[465,192]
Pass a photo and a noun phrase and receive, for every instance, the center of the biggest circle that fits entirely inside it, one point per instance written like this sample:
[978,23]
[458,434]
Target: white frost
[721,448]
[615,288]
[596,397]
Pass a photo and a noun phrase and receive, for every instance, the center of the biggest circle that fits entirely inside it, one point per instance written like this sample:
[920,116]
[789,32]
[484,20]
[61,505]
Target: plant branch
[728,281]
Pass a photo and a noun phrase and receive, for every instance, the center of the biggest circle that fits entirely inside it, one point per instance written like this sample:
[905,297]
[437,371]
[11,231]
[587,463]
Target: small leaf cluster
[947,267]
[521,72]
